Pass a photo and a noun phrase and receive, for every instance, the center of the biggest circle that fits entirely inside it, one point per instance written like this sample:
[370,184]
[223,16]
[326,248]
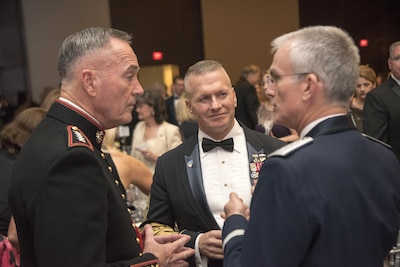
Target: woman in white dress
[153,135]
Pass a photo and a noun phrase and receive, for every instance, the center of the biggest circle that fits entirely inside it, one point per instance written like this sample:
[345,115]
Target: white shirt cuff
[201,261]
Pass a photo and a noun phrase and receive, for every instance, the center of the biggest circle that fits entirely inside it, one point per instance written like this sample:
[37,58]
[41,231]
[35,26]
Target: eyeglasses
[273,77]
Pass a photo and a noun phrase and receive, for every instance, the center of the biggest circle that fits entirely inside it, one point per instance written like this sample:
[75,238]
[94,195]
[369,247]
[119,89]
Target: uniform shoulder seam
[291,148]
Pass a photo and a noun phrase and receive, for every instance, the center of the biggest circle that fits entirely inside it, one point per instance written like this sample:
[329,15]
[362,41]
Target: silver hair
[392,47]
[202,67]
[84,42]
[329,53]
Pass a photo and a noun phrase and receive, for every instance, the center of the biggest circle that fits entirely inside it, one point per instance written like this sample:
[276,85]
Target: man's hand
[210,244]
[169,249]
[235,206]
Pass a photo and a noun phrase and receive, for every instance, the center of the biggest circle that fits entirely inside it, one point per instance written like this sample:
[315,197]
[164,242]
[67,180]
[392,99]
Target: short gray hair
[328,52]
[84,42]
[392,47]
[202,67]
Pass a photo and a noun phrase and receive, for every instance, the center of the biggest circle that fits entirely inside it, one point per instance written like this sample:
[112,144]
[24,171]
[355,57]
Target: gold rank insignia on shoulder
[77,138]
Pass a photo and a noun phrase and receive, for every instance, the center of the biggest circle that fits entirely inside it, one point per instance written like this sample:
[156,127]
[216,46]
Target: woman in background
[366,82]
[153,136]
[50,97]
[12,138]
[187,124]
[266,119]
[130,170]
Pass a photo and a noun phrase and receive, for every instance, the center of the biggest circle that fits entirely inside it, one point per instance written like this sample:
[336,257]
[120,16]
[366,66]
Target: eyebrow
[133,68]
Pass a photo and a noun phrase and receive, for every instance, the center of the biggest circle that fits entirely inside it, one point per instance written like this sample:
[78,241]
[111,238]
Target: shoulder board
[77,138]
[376,140]
[291,148]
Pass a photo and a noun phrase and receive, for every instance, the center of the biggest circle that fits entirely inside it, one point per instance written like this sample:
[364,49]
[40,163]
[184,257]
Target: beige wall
[47,23]
[238,33]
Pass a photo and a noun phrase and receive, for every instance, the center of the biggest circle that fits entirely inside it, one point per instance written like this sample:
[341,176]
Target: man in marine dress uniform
[66,197]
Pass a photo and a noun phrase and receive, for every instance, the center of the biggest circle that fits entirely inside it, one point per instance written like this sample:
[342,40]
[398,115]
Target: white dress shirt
[224,172]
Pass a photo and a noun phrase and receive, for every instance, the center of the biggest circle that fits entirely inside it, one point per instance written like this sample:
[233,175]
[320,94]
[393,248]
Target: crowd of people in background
[161,150]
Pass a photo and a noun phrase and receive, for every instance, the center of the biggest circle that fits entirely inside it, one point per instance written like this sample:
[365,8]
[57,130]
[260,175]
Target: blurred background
[171,35]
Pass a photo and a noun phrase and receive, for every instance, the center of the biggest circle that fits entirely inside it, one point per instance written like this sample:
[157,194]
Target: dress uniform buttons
[138,240]
[140,254]
[123,196]
[116,182]
[128,209]
[103,156]
[110,168]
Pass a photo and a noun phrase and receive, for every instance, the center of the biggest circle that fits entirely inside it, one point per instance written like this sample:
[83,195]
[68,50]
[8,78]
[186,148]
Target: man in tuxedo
[246,94]
[192,182]
[66,196]
[381,113]
[177,89]
[333,197]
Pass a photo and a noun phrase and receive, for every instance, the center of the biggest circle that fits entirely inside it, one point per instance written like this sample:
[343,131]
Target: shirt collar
[69,102]
[311,125]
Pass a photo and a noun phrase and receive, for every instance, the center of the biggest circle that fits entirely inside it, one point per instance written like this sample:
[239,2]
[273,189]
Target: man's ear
[189,106]
[313,85]
[234,96]
[89,81]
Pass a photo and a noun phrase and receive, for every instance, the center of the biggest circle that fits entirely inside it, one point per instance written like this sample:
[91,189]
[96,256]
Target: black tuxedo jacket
[170,107]
[67,199]
[381,114]
[177,193]
[247,103]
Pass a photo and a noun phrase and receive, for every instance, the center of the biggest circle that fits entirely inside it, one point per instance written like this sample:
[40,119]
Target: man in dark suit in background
[246,94]
[381,113]
[192,182]
[66,196]
[177,90]
[333,197]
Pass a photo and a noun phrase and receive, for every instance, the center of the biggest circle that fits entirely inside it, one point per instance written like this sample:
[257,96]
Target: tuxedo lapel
[255,153]
[193,170]
[195,181]
[396,89]
[253,144]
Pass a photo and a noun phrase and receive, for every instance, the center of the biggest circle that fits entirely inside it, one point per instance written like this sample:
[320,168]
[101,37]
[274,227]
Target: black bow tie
[226,144]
